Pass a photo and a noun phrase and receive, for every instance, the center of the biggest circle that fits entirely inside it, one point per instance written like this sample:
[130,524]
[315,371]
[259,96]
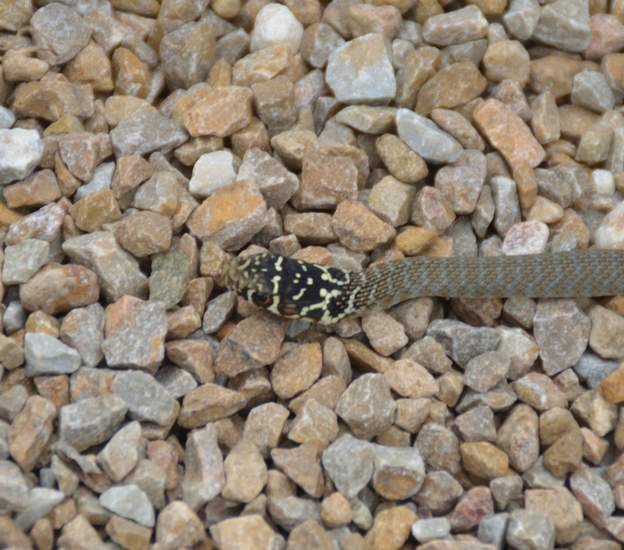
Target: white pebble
[276,24]
[20,151]
[603,183]
[211,172]
[7,118]
[526,238]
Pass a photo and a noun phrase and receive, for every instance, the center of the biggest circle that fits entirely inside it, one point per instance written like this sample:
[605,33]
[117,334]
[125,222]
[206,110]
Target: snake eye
[262,300]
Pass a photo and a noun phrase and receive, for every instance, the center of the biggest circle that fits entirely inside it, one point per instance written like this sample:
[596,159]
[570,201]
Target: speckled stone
[564,24]
[353,67]
[455,27]
[358,228]
[426,138]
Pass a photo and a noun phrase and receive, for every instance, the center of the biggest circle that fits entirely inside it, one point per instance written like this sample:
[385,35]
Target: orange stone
[507,132]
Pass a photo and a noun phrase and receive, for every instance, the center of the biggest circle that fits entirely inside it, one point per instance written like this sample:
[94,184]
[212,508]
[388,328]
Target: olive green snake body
[297,289]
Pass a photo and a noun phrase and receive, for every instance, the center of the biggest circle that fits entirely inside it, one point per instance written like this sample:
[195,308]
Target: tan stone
[36,190]
[31,431]
[452,86]
[91,66]
[221,112]
[132,76]
[358,228]
[94,210]
[508,133]
[58,288]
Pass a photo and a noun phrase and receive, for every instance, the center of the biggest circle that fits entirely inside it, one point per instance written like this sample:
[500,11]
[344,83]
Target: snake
[297,289]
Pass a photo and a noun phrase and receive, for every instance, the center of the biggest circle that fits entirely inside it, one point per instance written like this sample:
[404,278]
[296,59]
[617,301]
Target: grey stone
[146,399]
[83,330]
[204,477]
[455,27]
[367,406]
[128,501]
[118,272]
[590,89]
[13,487]
[492,530]
[177,382]
[349,463]
[121,453]
[593,369]
[41,501]
[91,421]
[141,344]
[361,71]
[20,153]
[288,512]
[562,332]
[171,273]
[399,472]
[530,530]
[276,183]
[564,24]
[146,131]
[23,260]
[424,530]
[462,341]
[426,138]
[505,197]
[521,18]
[59,33]
[48,355]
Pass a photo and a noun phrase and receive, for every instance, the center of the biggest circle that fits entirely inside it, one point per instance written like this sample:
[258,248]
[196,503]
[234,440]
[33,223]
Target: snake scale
[301,290]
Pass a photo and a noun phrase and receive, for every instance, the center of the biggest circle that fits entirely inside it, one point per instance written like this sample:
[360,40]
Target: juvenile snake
[296,289]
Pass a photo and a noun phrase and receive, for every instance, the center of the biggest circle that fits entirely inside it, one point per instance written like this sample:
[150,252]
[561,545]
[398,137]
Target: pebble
[230,216]
[349,463]
[562,332]
[276,183]
[521,18]
[23,260]
[135,334]
[276,24]
[391,528]
[91,421]
[455,27]
[591,90]
[144,132]
[178,525]
[609,233]
[371,416]
[187,53]
[129,502]
[220,112]
[358,228]
[425,530]
[121,454]
[607,333]
[244,531]
[245,473]
[145,398]
[252,344]
[31,431]
[208,403]
[117,271]
[507,132]
[475,505]
[59,32]
[144,233]
[398,472]
[361,71]
[22,152]
[169,278]
[530,529]
[41,501]
[264,426]
[204,477]
[47,355]
[326,180]
[212,171]
[450,87]
[439,447]
[564,24]
[426,138]
[530,237]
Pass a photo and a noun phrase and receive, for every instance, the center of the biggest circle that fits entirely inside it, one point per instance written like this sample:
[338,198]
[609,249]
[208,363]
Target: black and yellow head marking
[292,288]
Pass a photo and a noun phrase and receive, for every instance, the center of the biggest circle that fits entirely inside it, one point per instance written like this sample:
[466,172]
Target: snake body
[297,289]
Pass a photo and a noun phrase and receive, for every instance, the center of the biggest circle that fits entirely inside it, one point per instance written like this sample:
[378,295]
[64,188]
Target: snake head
[292,288]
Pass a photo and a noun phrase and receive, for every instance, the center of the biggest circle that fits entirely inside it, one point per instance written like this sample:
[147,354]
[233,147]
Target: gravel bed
[143,143]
